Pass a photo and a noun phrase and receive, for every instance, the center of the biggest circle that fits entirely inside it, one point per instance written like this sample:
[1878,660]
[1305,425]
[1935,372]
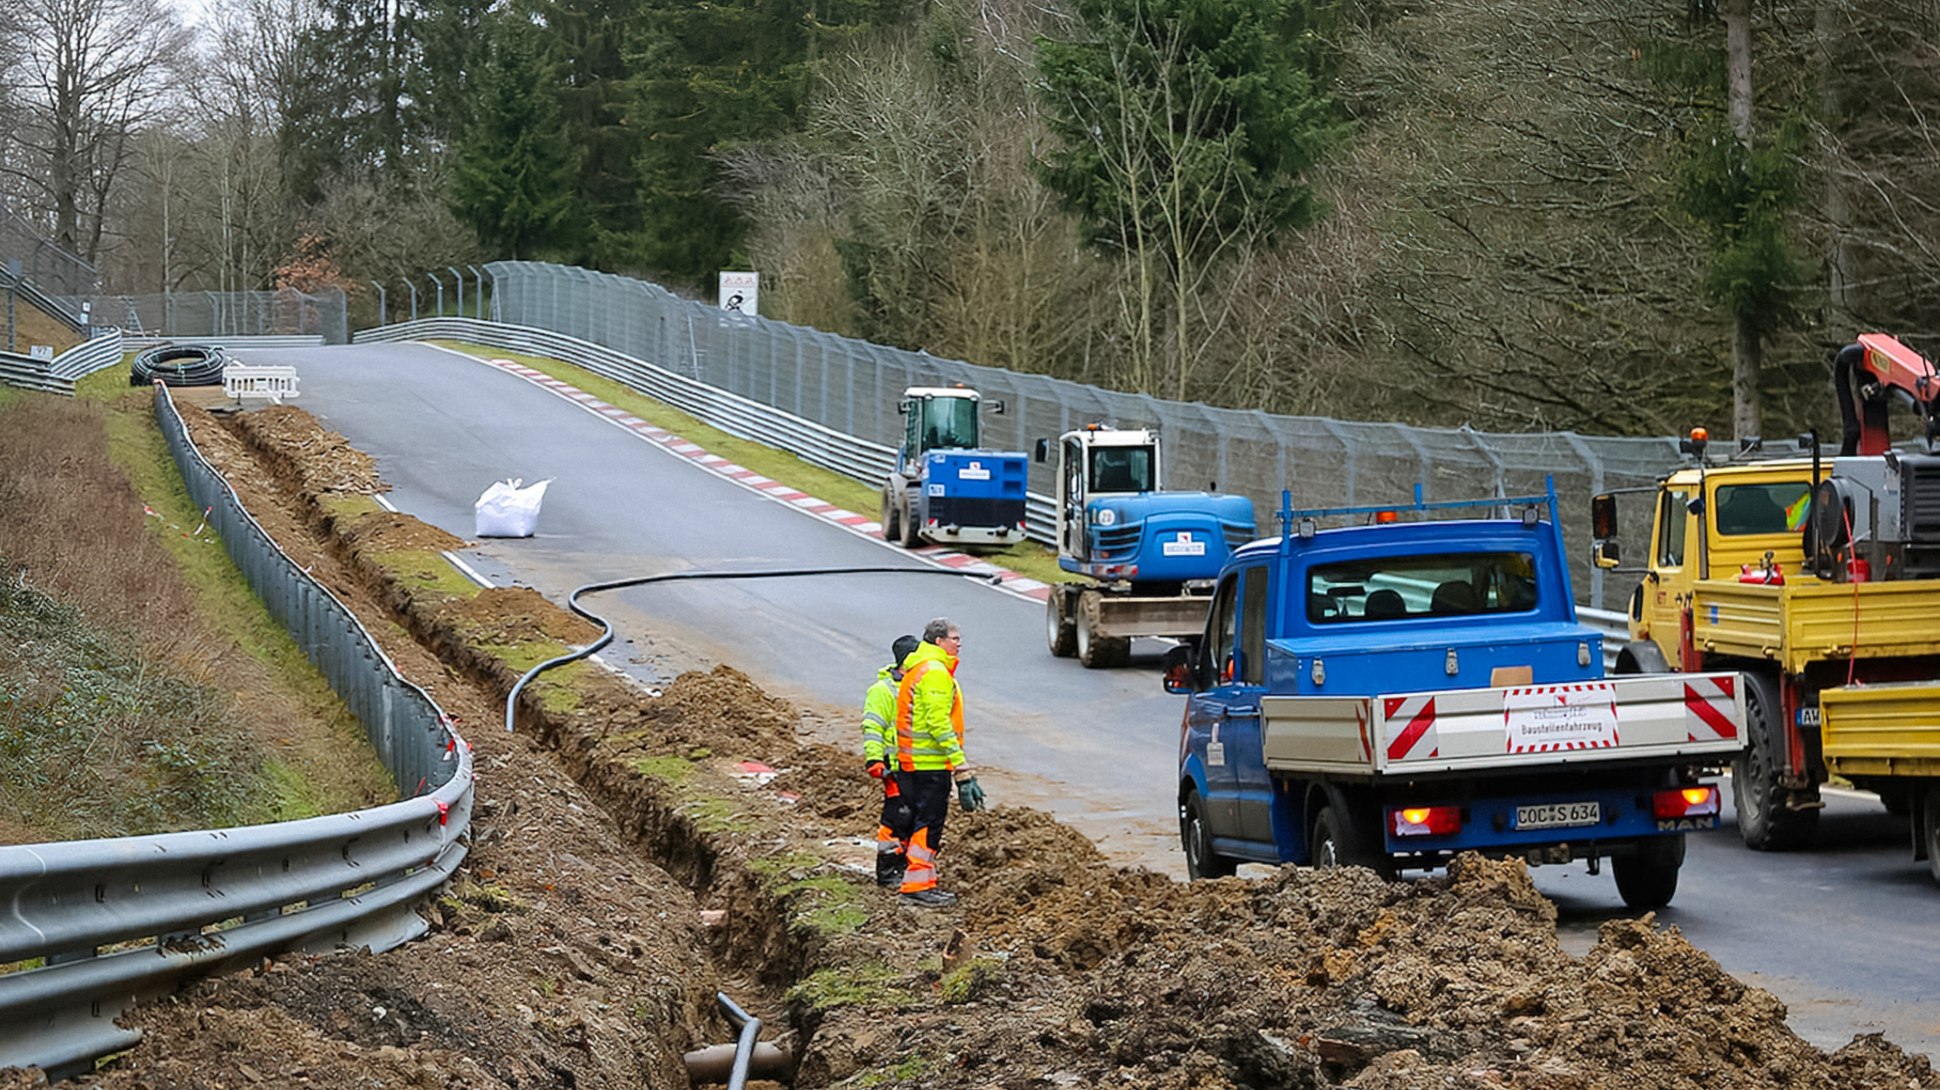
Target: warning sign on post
[739,291]
[1549,718]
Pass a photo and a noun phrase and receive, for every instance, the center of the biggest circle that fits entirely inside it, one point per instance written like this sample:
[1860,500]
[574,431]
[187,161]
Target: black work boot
[930,898]
[889,869]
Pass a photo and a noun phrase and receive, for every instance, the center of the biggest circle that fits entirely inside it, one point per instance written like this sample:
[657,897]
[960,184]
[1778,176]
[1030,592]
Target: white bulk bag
[506,510]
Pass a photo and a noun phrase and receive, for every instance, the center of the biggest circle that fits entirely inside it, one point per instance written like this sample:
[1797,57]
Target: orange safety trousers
[927,796]
[892,842]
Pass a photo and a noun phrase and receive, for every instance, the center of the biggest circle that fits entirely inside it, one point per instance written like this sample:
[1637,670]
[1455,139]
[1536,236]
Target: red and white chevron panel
[1411,727]
[1708,706]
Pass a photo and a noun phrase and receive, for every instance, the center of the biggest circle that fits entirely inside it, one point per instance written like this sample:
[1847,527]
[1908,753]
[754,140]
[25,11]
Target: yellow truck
[1818,579]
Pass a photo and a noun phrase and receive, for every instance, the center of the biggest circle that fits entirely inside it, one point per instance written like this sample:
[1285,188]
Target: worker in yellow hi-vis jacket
[878,713]
[929,756]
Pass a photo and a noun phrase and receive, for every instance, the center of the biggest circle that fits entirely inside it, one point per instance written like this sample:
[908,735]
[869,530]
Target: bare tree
[91,74]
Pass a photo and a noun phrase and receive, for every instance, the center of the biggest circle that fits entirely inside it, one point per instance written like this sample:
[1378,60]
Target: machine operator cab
[1097,462]
[940,418]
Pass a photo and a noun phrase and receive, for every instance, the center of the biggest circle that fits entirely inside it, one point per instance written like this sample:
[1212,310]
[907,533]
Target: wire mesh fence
[186,314]
[853,386]
[44,264]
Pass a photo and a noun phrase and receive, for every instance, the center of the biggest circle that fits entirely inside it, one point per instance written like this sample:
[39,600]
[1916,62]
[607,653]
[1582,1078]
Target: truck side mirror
[1043,451]
[996,407]
[1605,554]
[1603,517]
[902,408]
[1179,667]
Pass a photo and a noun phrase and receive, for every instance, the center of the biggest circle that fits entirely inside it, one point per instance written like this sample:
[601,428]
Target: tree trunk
[1840,253]
[1746,354]
[1737,49]
[1738,101]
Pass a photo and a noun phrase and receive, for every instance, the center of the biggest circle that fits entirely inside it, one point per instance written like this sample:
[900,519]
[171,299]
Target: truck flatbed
[1459,731]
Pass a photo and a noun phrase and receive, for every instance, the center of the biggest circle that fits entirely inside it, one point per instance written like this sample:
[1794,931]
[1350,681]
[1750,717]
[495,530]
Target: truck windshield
[949,423]
[1393,588]
[1763,508]
[1121,469]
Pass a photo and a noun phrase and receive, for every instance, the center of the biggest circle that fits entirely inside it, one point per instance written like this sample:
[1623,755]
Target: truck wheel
[1336,843]
[1095,651]
[1196,838]
[1648,878]
[1764,821]
[892,521]
[909,538]
[1059,627]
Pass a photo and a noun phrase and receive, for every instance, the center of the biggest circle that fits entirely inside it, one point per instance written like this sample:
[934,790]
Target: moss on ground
[869,984]
[427,572]
[673,770]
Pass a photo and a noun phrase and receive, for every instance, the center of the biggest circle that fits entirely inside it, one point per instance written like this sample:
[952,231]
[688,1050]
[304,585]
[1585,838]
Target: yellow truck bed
[1806,621]
[1882,730]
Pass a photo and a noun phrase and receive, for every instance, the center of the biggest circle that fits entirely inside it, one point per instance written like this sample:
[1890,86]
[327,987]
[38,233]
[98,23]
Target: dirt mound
[320,460]
[1323,978]
[505,616]
[723,712]
[387,532]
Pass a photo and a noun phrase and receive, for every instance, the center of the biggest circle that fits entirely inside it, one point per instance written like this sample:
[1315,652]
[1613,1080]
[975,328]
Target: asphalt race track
[1845,933]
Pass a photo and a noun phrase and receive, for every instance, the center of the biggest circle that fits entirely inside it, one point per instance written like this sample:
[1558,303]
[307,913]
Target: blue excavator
[1145,558]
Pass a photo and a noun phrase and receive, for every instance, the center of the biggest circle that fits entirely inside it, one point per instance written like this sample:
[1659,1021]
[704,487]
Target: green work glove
[969,795]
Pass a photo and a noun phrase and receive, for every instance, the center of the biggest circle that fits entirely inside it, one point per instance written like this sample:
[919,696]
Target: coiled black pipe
[178,365]
[606,635]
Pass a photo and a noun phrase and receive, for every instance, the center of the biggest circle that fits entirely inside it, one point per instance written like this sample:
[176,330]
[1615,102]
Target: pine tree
[717,74]
[515,176]
[589,44]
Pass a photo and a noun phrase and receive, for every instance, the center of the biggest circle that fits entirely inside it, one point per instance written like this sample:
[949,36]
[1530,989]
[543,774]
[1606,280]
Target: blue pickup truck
[1415,683]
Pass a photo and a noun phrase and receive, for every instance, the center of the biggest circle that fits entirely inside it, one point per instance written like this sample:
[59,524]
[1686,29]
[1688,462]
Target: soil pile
[320,460]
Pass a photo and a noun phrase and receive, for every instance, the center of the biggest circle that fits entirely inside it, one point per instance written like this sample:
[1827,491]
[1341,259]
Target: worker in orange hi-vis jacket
[878,713]
[929,756]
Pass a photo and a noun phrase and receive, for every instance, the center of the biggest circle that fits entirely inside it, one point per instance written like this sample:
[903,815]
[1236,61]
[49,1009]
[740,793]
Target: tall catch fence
[187,315]
[49,267]
[853,386]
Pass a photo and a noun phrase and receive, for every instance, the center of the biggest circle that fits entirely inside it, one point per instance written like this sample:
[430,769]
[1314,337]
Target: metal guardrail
[1615,628]
[240,342]
[28,373]
[58,376]
[201,902]
[86,358]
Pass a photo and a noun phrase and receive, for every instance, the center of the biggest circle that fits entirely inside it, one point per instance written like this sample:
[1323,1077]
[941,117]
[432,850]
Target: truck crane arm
[1864,375]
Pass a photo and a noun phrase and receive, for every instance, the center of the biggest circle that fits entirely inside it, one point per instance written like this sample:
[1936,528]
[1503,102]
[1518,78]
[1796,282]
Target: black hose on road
[606,636]
[178,365]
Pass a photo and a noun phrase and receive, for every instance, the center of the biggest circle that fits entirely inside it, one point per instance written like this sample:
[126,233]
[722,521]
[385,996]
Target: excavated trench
[1057,970]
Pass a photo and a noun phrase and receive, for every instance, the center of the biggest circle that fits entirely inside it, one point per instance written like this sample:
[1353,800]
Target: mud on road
[633,852]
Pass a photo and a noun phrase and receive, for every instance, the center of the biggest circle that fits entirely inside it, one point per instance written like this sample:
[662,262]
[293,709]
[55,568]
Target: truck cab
[946,488]
[1814,577]
[1391,693]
